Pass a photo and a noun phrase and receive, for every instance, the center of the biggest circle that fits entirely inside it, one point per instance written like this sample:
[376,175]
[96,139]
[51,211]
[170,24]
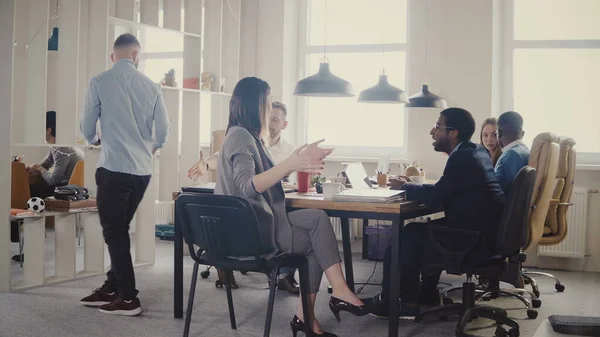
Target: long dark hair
[248,106]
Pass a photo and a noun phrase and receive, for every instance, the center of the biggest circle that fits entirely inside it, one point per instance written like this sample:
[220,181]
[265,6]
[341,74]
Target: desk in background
[395,212]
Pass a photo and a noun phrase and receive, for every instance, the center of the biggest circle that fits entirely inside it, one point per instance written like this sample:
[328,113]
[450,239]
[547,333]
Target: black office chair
[511,234]
[227,230]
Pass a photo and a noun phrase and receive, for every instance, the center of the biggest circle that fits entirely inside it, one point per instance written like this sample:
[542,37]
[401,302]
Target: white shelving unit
[209,32]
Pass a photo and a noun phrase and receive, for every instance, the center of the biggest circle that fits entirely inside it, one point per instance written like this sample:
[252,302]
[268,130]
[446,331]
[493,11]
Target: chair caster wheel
[205,274]
[532,314]
[447,301]
[244,272]
[526,281]
[559,287]
[536,303]
[500,332]
[329,290]
[218,284]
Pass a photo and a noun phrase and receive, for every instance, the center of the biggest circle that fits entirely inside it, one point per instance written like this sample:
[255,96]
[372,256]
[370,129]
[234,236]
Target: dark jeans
[118,197]
[415,252]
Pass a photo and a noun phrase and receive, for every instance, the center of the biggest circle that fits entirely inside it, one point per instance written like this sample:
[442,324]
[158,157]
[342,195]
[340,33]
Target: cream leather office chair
[555,226]
[544,158]
[216,143]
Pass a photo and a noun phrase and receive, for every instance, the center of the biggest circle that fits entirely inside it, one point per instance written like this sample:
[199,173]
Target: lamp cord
[325,36]
[426,42]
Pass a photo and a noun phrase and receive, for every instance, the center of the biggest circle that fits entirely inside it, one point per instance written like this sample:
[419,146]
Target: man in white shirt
[279,147]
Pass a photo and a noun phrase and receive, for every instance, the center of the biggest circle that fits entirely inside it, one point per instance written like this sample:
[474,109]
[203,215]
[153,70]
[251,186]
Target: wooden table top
[316,201]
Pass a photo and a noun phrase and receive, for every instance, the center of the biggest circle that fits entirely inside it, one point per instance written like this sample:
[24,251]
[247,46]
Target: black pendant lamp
[383,92]
[426,99]
[324,83]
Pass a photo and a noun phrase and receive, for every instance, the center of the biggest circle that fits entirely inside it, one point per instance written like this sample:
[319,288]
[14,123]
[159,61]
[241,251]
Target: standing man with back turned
[128,105]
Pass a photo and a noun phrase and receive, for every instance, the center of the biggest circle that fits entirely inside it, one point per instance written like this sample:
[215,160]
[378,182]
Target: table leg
[365,240]
[395,279]
[178,273]
[347,253]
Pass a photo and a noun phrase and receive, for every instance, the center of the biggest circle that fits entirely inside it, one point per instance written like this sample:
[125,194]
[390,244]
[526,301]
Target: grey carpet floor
[55,310]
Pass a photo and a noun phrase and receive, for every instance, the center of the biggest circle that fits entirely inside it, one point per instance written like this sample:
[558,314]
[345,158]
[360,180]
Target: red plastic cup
[303,182]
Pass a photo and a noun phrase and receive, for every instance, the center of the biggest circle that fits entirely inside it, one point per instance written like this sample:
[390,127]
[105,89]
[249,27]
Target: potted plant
[317,181]
[170,78]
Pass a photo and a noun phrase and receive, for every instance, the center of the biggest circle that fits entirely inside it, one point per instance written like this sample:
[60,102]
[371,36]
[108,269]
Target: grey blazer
[241,158]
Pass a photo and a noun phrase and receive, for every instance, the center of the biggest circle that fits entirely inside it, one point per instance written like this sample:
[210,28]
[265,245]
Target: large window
[360,41]
[554,54]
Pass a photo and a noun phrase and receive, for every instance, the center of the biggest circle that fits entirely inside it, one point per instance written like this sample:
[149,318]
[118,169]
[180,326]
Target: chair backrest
[513,228]
[223,226]
[556,219]
[77,176]
[19,190]
[218,137]
[544,158]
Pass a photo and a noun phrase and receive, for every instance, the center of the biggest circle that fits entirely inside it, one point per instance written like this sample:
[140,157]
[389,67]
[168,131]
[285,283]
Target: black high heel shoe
[298,325]
[336,305]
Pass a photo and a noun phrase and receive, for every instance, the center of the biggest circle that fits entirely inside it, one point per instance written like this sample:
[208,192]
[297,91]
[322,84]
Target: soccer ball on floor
[36,204]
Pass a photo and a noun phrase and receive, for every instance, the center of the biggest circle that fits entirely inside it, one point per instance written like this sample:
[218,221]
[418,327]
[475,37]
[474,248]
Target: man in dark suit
[469,195]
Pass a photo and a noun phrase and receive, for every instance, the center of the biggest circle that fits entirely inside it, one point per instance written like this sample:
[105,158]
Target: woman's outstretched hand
[198,169]
[313,150]
[307,158]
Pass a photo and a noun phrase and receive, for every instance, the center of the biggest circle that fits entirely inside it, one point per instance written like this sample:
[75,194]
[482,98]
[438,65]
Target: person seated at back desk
[515,154]
[57,166]
[471,198]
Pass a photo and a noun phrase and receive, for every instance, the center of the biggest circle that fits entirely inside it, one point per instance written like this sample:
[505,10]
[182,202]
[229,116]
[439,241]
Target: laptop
[357,176]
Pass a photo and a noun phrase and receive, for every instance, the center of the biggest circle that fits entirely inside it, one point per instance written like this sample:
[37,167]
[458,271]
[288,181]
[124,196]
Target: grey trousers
[314,237]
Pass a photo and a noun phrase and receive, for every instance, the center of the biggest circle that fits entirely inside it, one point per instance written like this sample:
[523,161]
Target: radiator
[164,212]
[574,245]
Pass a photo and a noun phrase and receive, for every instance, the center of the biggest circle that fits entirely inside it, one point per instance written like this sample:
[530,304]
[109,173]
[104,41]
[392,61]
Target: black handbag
[71,193]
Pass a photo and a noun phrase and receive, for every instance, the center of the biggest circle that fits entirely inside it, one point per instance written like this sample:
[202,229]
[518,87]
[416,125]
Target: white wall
[269,49]
[7,8]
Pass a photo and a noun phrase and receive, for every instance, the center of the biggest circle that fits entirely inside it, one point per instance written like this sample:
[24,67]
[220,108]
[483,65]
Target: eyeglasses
[436,126]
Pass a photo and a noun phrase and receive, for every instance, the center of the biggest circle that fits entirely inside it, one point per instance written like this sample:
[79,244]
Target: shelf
[142,26]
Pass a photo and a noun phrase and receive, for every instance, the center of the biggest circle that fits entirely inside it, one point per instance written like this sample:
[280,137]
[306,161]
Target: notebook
[17,212]
[375,195]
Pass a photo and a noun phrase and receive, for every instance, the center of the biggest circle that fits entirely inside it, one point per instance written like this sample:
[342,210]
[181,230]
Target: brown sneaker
[122,307]
[288,284]
[99,297]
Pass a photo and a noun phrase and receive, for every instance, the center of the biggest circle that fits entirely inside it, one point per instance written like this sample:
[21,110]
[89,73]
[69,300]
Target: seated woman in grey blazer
[246,170]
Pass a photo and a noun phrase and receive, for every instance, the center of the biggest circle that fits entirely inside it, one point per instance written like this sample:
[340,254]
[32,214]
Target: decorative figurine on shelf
[207,80]
[169,79]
